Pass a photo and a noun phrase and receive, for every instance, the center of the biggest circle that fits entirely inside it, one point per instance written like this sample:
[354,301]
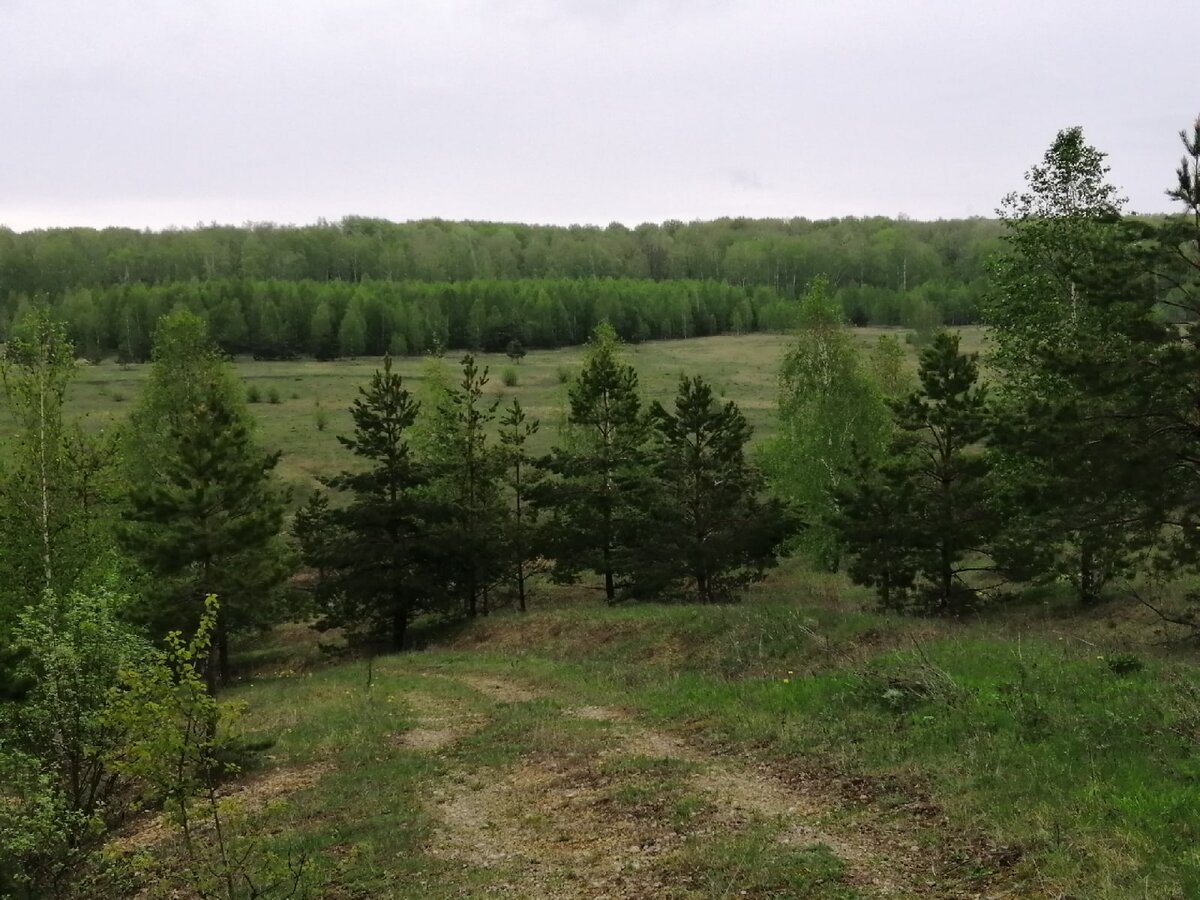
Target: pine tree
[942,424]
[205,511]
[600,499]
[467,535]
[522,533]
[876,518]
[922,511]
[713,532]
[515,350]
[371,551]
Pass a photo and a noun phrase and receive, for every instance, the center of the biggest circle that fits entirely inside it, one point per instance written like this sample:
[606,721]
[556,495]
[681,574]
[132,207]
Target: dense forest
[366,286]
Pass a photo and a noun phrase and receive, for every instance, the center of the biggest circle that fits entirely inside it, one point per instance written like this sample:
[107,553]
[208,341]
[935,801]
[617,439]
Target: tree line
[783,254]
[283,320]
[272,290]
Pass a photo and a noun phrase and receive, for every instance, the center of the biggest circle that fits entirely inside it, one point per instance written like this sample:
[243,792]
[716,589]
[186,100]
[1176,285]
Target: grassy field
[743,368]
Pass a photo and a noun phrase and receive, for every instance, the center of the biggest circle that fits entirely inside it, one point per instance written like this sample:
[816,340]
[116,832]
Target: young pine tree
[600,499]
[523,537]
[466,534]
[204,508]
[370,550]
[924,513]
[714,534]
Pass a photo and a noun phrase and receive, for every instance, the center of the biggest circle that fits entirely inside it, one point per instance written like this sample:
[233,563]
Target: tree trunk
[211,668]
[1089,575]
[399,627]
[222,641]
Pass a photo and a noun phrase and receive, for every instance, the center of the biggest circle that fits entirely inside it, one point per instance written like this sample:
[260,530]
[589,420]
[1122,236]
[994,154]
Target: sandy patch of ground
[502,690]
[551,829]
[440,722]
[251,794]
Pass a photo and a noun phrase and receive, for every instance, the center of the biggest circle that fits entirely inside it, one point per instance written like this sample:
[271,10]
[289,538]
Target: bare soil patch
[550,826]
[252,794]
[440,722]
[502,690]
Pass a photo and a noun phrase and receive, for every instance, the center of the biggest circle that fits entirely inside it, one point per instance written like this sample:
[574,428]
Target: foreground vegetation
[776,748]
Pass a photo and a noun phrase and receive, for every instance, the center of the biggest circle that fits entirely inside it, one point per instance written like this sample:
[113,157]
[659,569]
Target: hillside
[781,748]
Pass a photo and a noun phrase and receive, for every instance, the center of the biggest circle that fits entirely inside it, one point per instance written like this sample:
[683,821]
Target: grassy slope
[1036,744]
[965,760]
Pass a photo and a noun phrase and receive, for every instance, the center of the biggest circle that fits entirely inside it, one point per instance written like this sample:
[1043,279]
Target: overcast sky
[152,114]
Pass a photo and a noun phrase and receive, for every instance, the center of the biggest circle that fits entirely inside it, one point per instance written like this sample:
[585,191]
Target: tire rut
[549,831]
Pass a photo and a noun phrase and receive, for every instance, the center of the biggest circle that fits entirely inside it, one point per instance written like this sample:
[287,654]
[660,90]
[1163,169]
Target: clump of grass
[118,397]
[253,394]
[1124,663]
[273,396]
[564,374]
[320,417]
[509,377]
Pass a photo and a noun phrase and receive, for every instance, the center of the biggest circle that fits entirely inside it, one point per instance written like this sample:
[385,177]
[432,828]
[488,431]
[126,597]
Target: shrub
[58,788]
[320,417]
[564,374]
[273,395]
[182,743]
[253,394]
[509,377]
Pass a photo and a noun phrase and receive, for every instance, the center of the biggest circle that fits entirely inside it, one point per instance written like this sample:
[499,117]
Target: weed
[253,394]
[509,376]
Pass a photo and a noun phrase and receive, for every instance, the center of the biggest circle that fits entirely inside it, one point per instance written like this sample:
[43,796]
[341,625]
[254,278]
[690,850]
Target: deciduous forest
[363,287]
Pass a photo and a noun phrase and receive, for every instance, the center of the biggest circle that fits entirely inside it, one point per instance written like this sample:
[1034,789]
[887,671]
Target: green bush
[509,377]
[183,743]
[253,394]
[58,787]
[273,395]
